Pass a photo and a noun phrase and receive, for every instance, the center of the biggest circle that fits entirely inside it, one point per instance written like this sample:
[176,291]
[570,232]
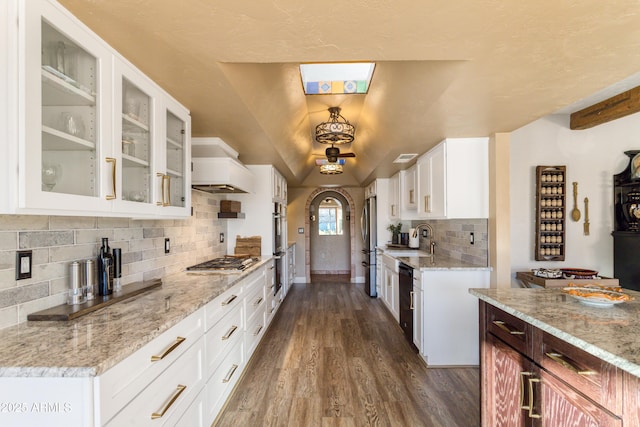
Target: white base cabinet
[450,316]
[182,377]
[390,286]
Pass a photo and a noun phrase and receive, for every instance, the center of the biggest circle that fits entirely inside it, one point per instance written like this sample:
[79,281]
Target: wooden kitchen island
[548,360]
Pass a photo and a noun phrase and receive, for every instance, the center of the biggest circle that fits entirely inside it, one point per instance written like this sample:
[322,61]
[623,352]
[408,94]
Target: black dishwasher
[406,304]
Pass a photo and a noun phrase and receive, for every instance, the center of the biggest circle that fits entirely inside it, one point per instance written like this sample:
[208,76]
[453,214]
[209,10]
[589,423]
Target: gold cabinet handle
[229,300]
[113,178]
[427,208]
[171,401]
[522,375]
[163,190]
[257,302]
[393,210]
[258,329]
[227,377]
[532,398]
[500,324]
[559,358]
[411,306]
[168,190]
[230,332]
[179,340]
[411,200]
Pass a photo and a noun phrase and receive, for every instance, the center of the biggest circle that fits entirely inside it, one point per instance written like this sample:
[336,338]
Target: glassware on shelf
[129,147]
[72,124]
[51,173]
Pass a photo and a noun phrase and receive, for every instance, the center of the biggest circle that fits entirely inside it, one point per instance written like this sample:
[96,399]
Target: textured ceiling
[445,69]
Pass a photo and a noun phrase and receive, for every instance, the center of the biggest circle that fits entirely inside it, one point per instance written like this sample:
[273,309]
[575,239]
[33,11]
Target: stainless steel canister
[90,278]
[76,290]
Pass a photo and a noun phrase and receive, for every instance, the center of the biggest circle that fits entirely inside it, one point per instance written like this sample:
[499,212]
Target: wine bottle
[105,269]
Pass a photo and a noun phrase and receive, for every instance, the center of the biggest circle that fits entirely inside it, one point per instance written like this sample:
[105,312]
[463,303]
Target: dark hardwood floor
[335,357]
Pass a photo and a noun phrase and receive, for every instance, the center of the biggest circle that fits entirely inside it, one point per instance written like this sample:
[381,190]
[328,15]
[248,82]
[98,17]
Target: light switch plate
[221,237]
[300,230]
[23,265]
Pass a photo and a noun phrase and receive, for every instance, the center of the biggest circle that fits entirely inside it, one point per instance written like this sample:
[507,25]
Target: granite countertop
[610,334]
[89,345]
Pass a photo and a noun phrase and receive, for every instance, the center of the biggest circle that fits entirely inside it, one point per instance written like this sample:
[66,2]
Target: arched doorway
[334,253]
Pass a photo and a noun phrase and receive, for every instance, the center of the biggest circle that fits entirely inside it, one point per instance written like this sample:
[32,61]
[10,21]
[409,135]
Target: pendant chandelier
[335,131]
[331,169]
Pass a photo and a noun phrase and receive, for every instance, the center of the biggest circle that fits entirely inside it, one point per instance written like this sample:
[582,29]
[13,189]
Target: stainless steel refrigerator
[369,238]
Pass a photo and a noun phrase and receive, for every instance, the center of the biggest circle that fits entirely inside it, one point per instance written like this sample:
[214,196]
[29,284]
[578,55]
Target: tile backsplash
[452,239]
[56,241]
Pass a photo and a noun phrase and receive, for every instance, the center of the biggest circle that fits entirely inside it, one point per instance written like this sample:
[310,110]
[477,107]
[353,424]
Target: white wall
[592,157]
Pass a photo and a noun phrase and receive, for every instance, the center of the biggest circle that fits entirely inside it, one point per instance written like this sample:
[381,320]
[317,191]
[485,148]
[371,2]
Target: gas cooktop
[227,264]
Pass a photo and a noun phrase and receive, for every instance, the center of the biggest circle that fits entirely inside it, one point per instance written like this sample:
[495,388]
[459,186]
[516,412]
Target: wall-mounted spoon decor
[575,212]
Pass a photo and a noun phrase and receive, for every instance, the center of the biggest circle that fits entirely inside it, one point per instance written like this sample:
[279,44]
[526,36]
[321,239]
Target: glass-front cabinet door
[65,153]
[135,109]
[175,177]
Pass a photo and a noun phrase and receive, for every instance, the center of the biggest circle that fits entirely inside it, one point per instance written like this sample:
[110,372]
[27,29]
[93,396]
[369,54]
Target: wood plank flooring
[335,357]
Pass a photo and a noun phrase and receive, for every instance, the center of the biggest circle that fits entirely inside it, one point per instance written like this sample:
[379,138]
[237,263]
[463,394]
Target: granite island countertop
[91,344]
[610,334]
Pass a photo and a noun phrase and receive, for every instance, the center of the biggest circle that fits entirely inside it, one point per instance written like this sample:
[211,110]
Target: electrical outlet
[472,239]
[221,237]
[23,265]
[424,233]
[167,245]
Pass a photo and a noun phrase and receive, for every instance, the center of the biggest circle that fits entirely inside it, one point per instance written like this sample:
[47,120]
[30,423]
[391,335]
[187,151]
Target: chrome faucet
[432,244]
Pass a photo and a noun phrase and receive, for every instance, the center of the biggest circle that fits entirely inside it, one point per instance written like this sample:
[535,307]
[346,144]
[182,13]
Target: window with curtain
[330,217]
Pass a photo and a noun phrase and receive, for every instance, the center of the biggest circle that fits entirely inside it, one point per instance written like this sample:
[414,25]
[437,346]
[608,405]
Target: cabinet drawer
[223,380]
[222,304]
[515,332]
[221,337]
[254,302]
[254,331]
[591,376]
[120,384]
[169,395]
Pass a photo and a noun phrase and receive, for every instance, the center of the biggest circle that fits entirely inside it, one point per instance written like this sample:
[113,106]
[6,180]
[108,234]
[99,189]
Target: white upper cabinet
[453,180]
[64,136]
[91,131]
[371,190]
[151,149]
[408,194]
[279,187]
[394,196]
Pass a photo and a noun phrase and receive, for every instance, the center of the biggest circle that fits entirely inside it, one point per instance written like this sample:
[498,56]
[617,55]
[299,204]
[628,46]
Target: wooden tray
[528,278]
[70,312]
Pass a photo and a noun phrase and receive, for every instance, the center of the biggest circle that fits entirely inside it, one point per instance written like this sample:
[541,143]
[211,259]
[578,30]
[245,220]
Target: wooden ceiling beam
[605,111]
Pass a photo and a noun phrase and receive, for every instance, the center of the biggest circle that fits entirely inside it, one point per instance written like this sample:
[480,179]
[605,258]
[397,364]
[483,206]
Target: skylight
[336,78]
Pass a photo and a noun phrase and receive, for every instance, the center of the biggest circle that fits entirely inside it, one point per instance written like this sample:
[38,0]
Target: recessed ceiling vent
[404,158]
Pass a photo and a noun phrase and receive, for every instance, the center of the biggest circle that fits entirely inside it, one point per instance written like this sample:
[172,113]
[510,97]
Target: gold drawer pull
[257,302]
[255,334]
[227,378]
[179,340]
[427,207]
[411,306]
[229,300]
[175,397]
[522,375]
[230,332]
[500,324]
[532,398]
[559,358]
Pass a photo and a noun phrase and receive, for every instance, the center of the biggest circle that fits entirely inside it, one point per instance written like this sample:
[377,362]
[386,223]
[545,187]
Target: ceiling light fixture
[331,169]
[335,131]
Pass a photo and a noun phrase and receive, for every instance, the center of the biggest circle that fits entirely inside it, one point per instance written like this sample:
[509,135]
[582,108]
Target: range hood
[216,168]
